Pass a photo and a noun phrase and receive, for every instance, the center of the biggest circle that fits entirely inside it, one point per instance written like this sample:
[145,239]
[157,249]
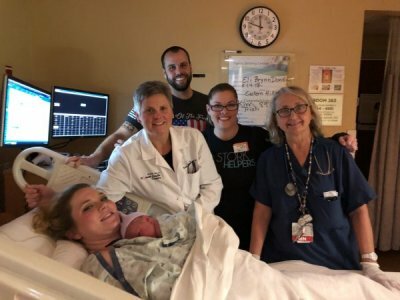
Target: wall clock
[259,27]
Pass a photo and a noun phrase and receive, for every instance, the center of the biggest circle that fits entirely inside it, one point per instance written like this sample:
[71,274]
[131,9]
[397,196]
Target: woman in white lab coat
[168,165]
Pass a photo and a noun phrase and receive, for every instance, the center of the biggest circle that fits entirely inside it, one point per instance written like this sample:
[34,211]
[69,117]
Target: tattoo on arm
[129,126]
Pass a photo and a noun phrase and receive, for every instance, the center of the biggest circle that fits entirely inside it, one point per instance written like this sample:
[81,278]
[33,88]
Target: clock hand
[256,25]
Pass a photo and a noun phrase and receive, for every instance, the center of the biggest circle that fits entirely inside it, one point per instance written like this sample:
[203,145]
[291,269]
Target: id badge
[240,147]
[302,234]
[330,195]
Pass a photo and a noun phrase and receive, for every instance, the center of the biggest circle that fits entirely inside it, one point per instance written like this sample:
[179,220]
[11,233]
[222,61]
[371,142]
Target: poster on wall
[326,79]
[256,79]
[330,108]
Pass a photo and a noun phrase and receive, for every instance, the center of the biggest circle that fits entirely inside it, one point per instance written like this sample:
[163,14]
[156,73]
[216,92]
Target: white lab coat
[137,167]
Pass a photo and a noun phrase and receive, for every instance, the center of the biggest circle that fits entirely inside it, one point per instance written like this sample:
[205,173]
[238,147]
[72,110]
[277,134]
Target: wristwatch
[372,256]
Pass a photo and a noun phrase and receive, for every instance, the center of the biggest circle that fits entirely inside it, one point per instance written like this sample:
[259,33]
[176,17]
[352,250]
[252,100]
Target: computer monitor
[25,114]
[77,113]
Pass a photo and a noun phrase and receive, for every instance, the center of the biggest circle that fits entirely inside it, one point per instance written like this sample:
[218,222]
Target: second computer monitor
[78,113]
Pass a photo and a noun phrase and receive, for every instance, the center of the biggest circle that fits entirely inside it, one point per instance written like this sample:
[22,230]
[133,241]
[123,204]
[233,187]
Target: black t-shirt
[236,163]
[191,112]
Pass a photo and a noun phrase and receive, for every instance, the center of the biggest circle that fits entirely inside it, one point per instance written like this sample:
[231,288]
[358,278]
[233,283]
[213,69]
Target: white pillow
[20,231]
[70,253]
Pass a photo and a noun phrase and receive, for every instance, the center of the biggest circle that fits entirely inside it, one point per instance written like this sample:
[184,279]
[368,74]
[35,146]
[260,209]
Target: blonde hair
[277,136]
[56,220]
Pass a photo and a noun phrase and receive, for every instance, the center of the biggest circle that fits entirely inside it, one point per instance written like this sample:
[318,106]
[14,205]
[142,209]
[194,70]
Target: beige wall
[112,46]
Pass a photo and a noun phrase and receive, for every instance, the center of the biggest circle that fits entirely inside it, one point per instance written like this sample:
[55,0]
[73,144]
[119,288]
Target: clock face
[259,27]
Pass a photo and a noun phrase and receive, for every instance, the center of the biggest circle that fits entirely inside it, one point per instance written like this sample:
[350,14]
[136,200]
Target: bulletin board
[256,78]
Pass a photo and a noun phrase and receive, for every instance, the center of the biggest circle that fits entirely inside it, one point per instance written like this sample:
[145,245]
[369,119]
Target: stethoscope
[329,171]
[290,188]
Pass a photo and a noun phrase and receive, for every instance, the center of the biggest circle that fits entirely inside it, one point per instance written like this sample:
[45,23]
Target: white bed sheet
[215,269]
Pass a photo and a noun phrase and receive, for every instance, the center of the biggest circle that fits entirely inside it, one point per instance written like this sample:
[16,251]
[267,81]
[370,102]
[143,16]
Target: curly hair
[57,220]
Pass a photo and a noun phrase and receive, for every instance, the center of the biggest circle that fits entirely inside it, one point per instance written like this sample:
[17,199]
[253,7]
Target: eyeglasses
[220,107]
[286,111]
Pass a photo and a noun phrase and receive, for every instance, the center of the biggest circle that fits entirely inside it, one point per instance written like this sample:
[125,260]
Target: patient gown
[149,266]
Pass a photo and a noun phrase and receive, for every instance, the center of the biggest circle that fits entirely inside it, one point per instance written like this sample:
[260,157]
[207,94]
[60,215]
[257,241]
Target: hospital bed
[33,266]
[59,175]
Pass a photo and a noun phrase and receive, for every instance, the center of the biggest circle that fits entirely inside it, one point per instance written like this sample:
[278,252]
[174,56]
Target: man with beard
[189,105]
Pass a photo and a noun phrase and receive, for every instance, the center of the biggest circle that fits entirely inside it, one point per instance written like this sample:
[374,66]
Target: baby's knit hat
[127,219]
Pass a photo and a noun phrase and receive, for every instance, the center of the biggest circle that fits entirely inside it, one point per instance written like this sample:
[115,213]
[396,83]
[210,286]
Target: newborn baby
[150,254]
[139,224]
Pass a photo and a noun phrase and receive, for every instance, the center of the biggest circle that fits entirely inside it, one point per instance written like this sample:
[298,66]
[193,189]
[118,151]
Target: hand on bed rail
[372,271]
[38,195]
[95,159]
[76,161]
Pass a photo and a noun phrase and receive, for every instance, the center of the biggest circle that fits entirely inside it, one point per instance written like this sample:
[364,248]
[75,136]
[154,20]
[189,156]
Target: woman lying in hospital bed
[197,256]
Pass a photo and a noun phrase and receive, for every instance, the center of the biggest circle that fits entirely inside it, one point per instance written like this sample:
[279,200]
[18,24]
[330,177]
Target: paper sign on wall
[326,79]
[330,108]
[256,79]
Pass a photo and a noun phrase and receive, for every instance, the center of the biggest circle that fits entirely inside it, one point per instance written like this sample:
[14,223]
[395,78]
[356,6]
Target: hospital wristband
[370,256]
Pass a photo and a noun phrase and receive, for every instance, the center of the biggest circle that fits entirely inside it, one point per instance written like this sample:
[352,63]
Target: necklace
[303,198]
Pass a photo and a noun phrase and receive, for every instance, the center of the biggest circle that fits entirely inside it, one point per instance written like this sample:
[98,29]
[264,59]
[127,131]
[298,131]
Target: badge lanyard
[302,231]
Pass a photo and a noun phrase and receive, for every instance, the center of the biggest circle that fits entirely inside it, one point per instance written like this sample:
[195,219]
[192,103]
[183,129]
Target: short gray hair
[150,88]
[277,136]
